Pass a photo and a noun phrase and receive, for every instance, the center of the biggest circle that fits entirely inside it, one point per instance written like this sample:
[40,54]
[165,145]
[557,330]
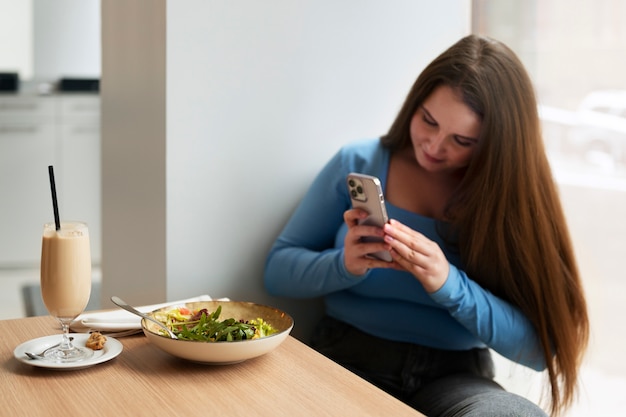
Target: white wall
[49,39]
[258,96]
[66,39]
[16,24]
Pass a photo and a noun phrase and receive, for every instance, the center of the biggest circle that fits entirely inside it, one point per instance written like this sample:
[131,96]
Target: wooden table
[293,380]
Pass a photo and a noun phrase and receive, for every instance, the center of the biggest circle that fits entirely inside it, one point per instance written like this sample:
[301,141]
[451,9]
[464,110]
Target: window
[574,51]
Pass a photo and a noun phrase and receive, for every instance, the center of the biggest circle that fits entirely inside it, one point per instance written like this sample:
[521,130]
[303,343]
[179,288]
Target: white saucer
[111,349]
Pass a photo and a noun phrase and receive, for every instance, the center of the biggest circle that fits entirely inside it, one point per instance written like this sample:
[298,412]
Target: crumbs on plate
[96,341]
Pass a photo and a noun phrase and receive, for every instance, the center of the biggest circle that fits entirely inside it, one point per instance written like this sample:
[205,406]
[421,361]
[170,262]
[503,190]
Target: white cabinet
[27,147]
[37,131]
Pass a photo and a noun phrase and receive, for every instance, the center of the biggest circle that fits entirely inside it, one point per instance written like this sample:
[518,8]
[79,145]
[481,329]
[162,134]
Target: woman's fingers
[417,254]
[360,241]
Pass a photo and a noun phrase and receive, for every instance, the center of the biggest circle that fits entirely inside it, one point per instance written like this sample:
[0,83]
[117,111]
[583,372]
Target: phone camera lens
[359,189]
[354,193]
[351,183]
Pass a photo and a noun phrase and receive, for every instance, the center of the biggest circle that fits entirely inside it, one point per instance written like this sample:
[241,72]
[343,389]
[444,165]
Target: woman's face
[444,132]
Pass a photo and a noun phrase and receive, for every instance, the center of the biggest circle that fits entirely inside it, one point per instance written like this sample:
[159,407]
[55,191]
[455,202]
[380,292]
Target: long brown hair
[506,214]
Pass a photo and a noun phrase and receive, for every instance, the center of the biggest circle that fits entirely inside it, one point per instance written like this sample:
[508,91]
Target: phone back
[366,193]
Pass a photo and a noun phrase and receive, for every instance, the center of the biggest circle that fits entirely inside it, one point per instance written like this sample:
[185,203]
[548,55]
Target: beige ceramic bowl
[224,352]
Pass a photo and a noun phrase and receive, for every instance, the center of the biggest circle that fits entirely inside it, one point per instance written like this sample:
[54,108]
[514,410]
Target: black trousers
[436,382]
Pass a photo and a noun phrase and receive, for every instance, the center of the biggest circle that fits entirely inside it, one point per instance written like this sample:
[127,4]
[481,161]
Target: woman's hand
[356,258]
[417,254]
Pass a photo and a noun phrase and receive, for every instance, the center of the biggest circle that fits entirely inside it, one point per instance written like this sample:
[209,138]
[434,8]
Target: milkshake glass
[66,282]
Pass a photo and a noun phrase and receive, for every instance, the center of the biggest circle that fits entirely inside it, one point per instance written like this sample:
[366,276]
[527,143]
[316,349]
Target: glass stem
[66,343]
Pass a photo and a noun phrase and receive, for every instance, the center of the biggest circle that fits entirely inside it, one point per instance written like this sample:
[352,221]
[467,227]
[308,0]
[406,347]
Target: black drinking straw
[55,205]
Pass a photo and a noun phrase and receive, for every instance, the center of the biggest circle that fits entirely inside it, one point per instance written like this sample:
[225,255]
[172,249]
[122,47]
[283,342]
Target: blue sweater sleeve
[499,324]
[304,262]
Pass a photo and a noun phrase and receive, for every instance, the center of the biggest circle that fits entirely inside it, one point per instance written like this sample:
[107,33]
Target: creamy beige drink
[65,269]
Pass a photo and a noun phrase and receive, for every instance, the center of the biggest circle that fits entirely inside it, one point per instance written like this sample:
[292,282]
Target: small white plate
[111,349]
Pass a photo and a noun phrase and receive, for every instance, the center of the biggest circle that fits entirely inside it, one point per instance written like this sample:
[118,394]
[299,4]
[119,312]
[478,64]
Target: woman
[482,257]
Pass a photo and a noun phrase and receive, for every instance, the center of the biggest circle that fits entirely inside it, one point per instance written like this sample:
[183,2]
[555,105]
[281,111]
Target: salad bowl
[221,352]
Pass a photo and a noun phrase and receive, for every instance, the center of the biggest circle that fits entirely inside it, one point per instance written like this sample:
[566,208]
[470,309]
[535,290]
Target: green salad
[207,327]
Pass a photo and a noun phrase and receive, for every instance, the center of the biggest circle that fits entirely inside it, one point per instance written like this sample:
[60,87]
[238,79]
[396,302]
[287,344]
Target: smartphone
[366,193]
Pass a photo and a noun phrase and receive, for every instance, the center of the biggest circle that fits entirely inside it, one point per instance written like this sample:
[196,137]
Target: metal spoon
[41,355]
[121,303]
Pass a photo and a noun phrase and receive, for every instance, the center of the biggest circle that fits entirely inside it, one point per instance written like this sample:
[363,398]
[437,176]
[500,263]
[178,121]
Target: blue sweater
[307,261]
